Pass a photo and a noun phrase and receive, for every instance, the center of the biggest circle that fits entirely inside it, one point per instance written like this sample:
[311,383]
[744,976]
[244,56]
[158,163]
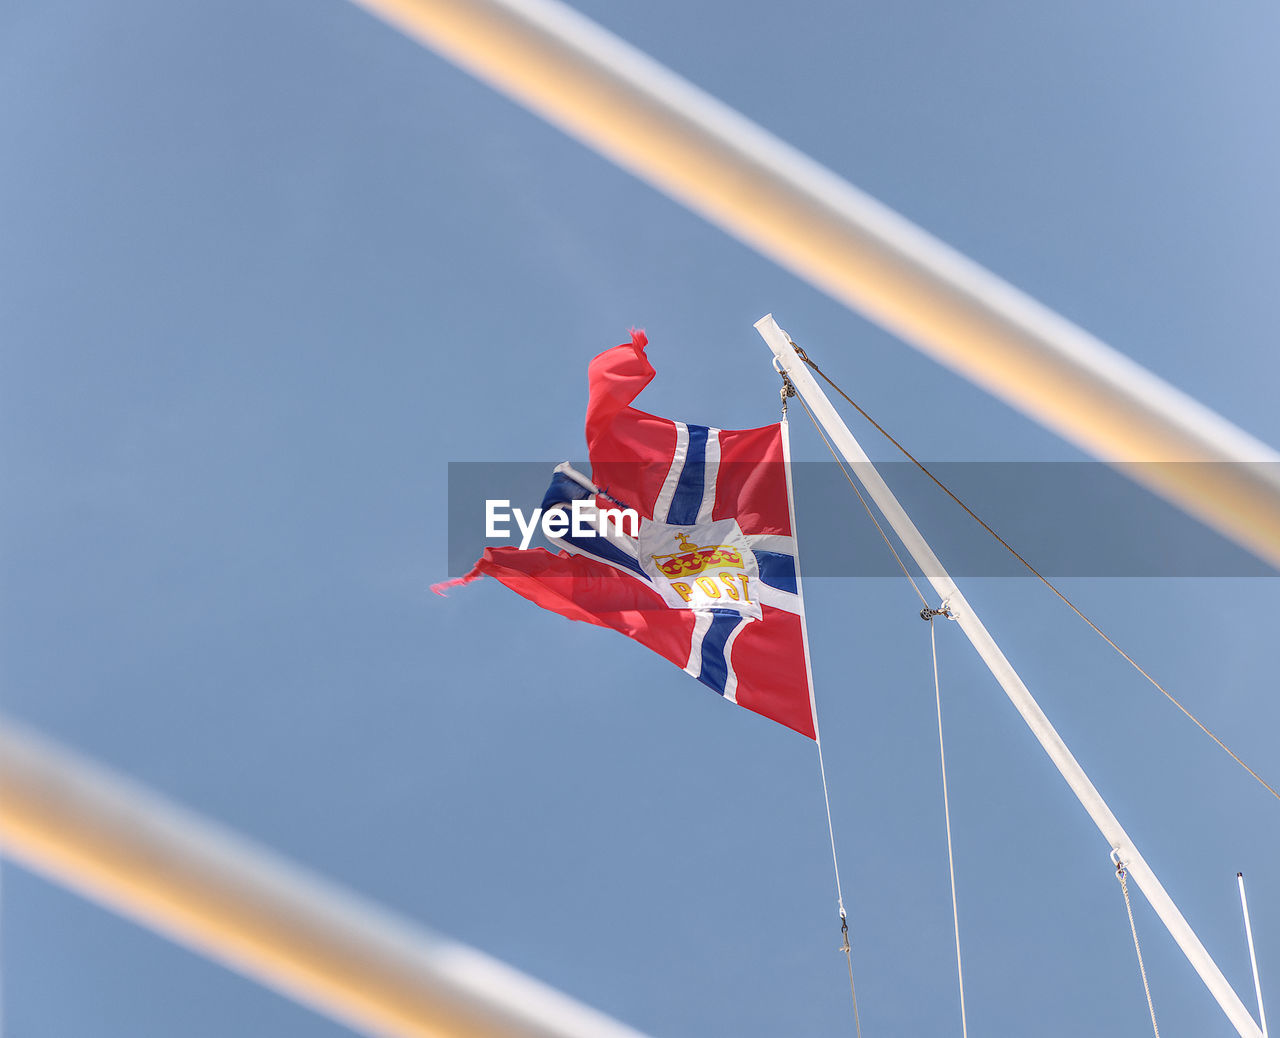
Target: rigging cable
[1123,876]
[926,613]
[1035,572]
[929,615]
[789,390]
[845,946]
[844,468]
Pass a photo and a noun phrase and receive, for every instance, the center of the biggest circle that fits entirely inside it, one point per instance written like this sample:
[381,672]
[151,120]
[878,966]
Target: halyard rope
[1122,876]
[844,919]
[789,390]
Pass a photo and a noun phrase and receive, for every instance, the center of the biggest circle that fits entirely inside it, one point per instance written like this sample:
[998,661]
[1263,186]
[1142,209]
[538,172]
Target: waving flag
[702,570]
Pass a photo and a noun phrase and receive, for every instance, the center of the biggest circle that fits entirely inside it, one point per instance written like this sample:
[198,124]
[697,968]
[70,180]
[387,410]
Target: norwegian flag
[709,577]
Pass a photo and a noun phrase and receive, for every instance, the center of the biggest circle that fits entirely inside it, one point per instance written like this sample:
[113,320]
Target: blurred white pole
[645,118]
[1253,959]
[133,852]
[1002,670]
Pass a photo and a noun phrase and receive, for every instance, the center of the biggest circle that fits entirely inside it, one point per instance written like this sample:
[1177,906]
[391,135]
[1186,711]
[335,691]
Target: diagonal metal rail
[116,843]
[620,102]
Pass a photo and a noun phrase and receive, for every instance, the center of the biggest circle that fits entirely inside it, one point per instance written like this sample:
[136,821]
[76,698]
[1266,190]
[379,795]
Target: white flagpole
[133,852]
[1253,958]
[780,343]
[699,151]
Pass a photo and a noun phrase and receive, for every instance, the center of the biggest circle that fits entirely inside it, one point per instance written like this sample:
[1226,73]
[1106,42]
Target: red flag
[708,576]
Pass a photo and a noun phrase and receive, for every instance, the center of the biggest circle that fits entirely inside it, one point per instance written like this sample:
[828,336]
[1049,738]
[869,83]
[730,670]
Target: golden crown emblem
[691,559]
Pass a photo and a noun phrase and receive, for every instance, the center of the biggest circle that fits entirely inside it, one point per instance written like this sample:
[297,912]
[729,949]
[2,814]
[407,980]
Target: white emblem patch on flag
[707,566]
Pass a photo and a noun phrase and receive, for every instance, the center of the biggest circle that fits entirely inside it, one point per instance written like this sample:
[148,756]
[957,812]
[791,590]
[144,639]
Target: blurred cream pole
[126,848]
[687,144]
[949,595]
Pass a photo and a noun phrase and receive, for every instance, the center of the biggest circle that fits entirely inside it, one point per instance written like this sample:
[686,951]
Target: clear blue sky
[268,267]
